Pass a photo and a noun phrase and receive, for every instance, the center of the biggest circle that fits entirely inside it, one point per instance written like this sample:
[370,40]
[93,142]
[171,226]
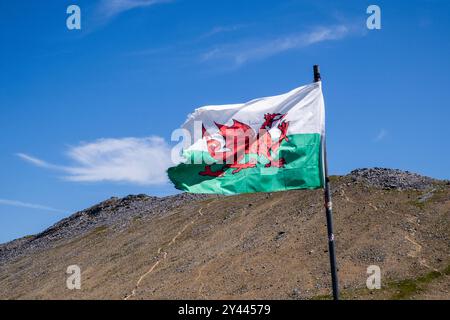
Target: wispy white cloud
[381,135]
[243,52]
[141,161]
[221,29]
[37,162]
[15,203]
[182,45]
[108,9]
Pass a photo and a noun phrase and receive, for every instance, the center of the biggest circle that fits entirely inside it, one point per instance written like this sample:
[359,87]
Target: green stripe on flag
[301,171]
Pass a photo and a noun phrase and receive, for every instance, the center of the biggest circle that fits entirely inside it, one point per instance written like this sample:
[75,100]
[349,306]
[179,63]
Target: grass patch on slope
[393,290]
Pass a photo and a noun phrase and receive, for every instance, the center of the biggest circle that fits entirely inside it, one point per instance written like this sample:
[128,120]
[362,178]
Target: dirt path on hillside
[164,253]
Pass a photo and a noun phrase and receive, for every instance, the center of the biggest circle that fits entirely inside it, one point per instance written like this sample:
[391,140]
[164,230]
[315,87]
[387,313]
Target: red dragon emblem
[241,140]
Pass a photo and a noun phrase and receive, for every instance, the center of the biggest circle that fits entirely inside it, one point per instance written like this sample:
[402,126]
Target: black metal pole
[328,208]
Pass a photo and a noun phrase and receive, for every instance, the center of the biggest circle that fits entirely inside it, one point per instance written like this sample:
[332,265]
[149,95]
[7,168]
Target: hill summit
[252,246]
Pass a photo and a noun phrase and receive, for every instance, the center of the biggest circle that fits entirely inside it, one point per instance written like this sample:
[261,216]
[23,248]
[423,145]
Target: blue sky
[75,104]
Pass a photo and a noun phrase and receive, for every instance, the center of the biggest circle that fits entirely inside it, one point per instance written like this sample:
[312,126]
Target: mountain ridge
[178,243]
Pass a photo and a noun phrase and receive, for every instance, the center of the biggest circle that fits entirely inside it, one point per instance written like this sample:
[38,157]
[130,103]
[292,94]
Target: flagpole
[328,208]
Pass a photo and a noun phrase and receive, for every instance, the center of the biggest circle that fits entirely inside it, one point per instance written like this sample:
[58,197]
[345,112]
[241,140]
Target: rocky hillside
[254,246]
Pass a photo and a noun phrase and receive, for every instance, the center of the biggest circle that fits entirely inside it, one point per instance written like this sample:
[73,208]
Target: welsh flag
[265,145]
